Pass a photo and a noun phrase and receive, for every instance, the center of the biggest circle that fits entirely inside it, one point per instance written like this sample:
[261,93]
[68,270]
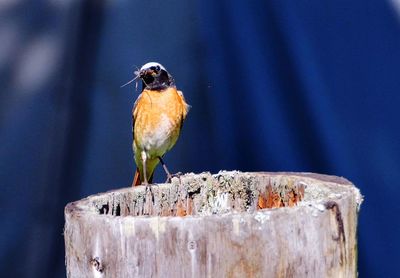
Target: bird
[157,118]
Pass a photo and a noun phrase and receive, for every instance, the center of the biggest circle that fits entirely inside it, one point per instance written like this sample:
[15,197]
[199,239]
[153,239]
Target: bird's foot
[176,175]
[148,188]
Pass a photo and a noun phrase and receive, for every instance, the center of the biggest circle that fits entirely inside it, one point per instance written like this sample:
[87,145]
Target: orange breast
[158,116]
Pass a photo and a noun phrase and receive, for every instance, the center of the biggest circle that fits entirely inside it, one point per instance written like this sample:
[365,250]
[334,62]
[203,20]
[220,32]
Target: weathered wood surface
[221,229]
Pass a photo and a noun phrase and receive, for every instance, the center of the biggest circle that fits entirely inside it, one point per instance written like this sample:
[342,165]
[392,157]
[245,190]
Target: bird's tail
[137,180]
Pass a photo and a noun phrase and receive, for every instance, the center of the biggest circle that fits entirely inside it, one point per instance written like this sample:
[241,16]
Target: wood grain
[205,225]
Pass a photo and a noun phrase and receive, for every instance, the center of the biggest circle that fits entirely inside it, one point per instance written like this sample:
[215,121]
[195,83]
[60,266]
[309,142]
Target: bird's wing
[134,112]
[186,107]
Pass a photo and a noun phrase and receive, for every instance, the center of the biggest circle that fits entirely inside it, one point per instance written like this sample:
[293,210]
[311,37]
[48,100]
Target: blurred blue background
[274,86]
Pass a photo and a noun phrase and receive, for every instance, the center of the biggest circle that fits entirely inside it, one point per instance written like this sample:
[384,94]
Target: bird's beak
[146,72]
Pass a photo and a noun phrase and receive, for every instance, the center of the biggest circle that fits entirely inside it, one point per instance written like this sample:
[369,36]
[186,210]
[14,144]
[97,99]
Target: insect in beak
[137,75]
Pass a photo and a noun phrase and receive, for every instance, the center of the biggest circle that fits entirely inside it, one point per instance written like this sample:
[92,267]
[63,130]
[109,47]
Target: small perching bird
[158,115]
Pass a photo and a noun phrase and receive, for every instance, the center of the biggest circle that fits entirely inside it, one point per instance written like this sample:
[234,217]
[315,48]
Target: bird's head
[155,76]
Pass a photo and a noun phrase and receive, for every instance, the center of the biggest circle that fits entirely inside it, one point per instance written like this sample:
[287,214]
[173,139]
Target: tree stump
[230,224]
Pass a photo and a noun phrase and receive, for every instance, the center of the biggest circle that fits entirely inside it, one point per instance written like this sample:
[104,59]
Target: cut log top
[231,224]
[226,192]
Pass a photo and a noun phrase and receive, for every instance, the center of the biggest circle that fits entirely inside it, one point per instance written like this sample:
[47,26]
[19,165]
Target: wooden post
[231,224]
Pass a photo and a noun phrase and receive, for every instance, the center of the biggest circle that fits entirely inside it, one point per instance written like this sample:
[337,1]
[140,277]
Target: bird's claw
[176,175]
[148,188]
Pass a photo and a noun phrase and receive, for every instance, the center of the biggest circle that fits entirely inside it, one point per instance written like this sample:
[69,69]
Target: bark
[231,224]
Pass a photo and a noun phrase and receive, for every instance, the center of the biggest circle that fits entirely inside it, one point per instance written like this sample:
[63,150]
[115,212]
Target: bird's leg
[145,180]
[149,194]
[144,158]
[169,175]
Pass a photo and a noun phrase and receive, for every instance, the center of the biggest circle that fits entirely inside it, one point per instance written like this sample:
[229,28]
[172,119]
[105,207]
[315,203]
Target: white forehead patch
[152,64]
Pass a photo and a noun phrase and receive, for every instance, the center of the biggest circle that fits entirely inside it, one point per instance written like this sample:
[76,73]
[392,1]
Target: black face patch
[148,79]
[158,81]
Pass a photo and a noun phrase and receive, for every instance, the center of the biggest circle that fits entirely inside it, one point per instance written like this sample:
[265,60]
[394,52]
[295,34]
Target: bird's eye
[158,68]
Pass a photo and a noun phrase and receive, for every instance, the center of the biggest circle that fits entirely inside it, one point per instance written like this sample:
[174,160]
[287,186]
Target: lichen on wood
[230,224]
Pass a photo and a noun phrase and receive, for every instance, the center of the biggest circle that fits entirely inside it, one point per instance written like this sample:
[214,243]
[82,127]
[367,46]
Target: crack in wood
[341,237]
